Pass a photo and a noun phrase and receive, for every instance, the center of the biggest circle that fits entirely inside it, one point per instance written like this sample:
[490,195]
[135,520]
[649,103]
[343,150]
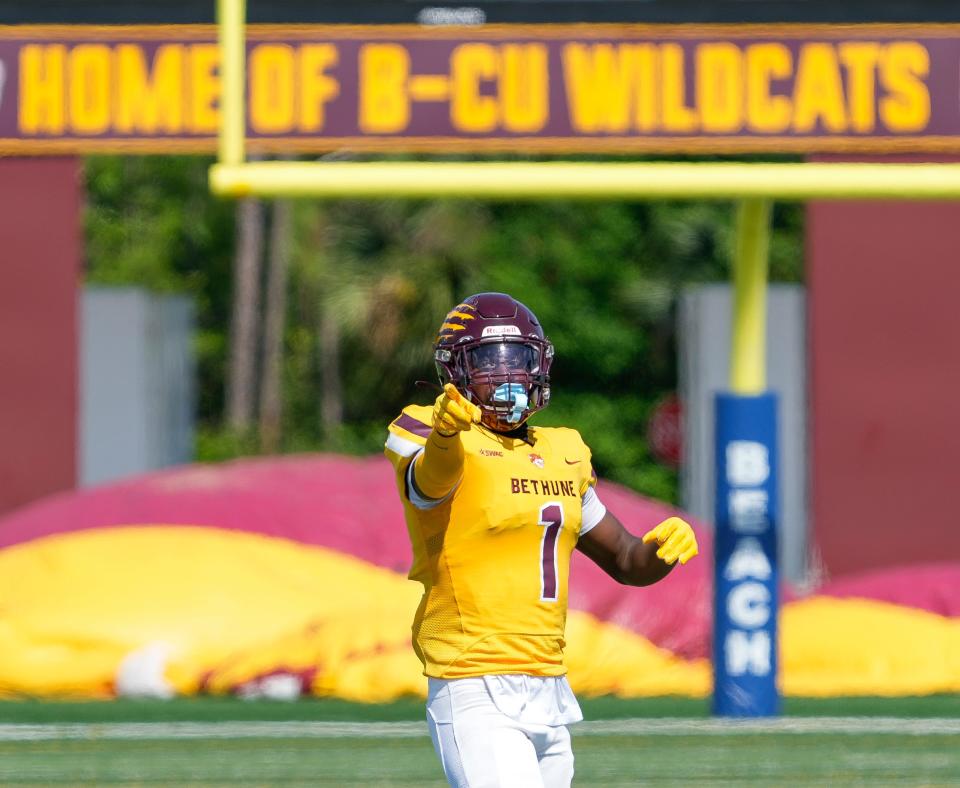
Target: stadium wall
[40,252]
[883,282]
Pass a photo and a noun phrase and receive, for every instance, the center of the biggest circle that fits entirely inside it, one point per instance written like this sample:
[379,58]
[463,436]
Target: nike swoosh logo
[570,462]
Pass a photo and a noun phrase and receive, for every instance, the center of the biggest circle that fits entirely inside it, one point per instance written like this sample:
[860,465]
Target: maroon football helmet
[493,349]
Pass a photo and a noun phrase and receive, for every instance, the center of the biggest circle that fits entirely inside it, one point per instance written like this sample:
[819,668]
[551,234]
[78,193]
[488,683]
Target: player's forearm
[638,565]
[438,469]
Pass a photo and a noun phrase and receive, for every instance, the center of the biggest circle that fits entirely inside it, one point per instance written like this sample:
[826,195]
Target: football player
[494,508]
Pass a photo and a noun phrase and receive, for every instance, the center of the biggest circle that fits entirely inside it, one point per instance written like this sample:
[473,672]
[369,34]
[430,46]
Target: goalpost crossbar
[589,180]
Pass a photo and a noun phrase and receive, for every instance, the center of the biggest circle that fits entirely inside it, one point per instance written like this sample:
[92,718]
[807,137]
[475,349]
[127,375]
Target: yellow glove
[453,412]
[676,540]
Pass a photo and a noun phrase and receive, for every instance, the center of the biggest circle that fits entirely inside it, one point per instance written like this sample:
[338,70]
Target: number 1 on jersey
[551,516]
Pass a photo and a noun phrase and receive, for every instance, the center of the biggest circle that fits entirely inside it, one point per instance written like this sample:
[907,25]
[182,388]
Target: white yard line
[671,726]
[212,730]
[916,726]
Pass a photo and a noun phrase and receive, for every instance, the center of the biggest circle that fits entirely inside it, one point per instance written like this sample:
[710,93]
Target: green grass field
[663,741]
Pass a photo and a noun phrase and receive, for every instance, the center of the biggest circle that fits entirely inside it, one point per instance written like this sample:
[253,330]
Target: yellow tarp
[865,647]
[206,610]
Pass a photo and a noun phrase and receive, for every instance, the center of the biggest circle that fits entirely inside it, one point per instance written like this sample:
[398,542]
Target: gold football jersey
[494,556]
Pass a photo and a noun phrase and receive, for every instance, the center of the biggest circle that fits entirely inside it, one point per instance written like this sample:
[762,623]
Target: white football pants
[481,747]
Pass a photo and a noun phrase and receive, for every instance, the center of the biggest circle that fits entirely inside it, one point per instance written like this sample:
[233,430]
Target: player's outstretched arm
[638,561]
[439,467]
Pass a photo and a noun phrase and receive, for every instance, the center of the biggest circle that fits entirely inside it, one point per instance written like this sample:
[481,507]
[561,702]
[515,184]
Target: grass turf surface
[770,759]
[735,758]
[205,709]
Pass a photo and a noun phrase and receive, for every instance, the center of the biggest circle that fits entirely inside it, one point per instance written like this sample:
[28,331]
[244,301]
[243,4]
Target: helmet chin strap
[514,393]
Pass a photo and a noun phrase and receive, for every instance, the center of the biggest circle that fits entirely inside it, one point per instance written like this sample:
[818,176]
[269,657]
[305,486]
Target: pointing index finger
[451,391]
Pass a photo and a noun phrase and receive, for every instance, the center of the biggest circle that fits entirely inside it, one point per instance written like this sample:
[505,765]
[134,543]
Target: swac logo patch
[536,459]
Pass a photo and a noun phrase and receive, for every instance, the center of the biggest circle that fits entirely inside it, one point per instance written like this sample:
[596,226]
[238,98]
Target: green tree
[370,281]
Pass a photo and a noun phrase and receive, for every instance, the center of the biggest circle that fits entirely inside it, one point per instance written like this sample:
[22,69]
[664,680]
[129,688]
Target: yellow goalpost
[753,183]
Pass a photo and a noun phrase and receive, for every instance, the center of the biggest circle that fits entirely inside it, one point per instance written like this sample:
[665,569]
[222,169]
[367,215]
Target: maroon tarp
[931,587]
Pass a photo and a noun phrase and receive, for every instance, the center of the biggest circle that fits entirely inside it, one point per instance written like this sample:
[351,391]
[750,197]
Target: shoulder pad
[409,431]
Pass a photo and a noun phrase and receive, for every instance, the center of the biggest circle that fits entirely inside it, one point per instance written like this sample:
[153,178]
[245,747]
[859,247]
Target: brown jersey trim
[412,425]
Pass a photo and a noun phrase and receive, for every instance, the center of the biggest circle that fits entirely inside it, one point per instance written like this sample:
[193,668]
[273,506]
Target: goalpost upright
[745,668]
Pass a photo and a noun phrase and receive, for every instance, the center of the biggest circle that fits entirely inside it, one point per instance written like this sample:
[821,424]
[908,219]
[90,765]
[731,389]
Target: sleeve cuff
[417,498]
[592,511]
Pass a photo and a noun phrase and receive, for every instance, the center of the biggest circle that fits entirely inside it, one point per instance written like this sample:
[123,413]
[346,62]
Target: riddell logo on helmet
[500,331]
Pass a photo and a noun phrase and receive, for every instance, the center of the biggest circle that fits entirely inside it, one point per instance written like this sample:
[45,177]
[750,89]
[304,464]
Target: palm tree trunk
[243,326]
[271,382]
[331,390]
